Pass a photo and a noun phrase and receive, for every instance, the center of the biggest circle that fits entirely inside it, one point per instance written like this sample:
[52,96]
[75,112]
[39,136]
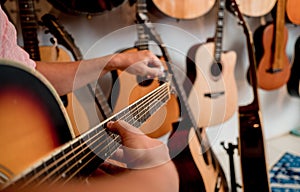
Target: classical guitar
[37,144]
[293,84]
[292,11]
[128,87]
[188,9]
[213,76]
[251,140]
[255,8]
[29,25]
[197,165]
[270,45]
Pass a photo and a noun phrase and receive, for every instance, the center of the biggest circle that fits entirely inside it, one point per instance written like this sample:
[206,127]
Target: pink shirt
[9,49]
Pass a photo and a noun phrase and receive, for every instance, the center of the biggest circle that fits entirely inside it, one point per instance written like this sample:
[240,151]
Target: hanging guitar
[179,9]
[251,140]
[128,87]
[293,84]
[255,8]
[292,11]
[213,78]
[29,27]
[65,39]
[273,69]
[197,165]
[32,115]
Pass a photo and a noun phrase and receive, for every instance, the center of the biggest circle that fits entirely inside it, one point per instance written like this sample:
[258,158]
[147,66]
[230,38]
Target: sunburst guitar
[214,78]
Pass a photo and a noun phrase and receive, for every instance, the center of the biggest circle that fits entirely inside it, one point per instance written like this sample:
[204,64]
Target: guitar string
[144,103]
[91,152]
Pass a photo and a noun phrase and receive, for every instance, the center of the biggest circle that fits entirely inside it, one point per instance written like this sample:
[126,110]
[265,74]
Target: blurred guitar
[29,27]
[251,140]
[293,84]
[187,9]
[254,8]
[214,78]
[129,87]
[292,10]
[270,44]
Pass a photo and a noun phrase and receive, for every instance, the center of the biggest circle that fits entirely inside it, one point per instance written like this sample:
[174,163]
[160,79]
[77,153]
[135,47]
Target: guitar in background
[251,140]
[29,25]
[254,8]
[184,9]
[270,41]
[128,87]
[293,84]
[292,11]
[214,80]
[196,163]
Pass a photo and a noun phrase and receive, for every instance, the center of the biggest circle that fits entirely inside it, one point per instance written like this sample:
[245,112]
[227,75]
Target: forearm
[67,76]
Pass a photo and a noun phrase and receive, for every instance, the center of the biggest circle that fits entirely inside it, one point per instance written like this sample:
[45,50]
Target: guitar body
[293,84]
[219,108]
[128,88]
[264,48]
[187,9]
[31,115]
[76,112]
[255,8]
[198,167]
[292,11]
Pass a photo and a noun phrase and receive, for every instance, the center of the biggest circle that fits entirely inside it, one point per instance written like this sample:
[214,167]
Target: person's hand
[138,150]
[143,63]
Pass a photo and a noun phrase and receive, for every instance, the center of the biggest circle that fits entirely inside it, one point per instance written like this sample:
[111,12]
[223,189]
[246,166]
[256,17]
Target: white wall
[108,32]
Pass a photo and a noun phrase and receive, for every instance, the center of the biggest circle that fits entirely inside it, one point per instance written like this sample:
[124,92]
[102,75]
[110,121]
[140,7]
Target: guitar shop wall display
[225,62]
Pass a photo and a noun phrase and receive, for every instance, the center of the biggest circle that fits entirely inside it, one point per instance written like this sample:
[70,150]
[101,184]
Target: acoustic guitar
[255,8]
[197,165]
[29,25]
[293,84]
[213,76]
[270,44]
[292,11]
[38,146]
[251,140]
[128,87]
[187,9]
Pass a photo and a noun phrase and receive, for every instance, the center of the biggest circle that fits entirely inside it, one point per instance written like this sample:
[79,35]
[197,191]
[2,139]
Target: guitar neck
[96,144]
[219,31]
[29,27]
[141,17]
[279,36]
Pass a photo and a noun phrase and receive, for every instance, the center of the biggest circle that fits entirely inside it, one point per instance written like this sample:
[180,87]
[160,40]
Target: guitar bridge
[214,95]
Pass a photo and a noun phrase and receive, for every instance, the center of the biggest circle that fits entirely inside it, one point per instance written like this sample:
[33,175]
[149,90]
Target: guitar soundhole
[143,81]
[216,69]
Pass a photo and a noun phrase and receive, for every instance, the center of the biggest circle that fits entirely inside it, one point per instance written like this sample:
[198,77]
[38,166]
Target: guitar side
[217,98]
[293,84]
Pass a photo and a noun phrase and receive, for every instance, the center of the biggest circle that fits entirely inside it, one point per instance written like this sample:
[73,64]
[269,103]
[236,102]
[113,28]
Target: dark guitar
[29,24]
[32,115]
[251,140]
[293,84]
[128,87]
[273,69]
[81,7]
[197,165]
[213,77]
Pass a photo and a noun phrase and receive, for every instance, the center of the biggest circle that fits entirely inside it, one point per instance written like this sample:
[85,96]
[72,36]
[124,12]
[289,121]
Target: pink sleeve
[9,49]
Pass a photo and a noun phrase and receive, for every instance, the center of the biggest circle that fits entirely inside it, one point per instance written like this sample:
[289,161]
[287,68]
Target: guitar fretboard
[98,142]
[219,31]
